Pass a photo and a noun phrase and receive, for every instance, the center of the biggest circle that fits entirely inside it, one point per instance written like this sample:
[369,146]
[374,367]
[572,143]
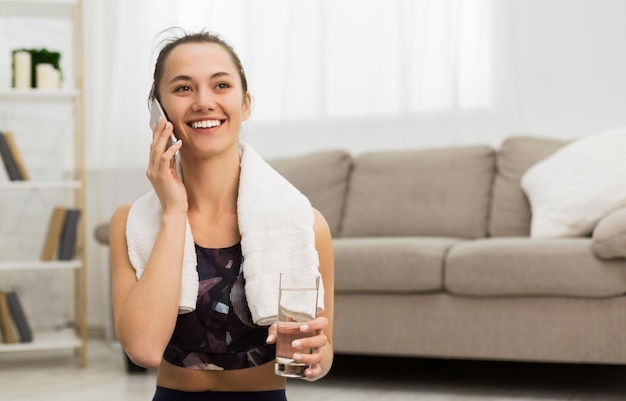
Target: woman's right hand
[162,172]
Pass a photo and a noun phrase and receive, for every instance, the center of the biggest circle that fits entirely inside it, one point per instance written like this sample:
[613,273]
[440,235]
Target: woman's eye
[222,85]
[183,88]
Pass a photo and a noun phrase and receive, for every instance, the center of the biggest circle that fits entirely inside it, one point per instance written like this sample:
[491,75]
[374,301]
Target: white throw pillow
[572,189]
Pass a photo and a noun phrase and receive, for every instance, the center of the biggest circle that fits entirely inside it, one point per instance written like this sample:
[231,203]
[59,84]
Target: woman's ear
[246,107]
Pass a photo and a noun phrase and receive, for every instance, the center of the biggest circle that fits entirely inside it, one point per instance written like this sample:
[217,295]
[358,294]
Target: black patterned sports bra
[219,334]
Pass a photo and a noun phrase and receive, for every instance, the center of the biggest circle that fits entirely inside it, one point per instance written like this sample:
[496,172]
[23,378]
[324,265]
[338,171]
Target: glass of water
[297,304]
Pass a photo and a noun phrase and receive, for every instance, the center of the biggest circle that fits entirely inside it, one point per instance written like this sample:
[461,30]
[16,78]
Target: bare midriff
[259,378]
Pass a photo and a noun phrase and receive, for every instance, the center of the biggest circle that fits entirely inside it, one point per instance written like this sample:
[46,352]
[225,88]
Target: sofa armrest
[609,236]
[102,233]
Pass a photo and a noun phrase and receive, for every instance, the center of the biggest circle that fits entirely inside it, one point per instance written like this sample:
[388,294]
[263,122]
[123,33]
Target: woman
[201,85]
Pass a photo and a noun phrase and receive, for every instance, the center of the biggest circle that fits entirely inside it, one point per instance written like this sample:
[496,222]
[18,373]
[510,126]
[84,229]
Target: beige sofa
[433,258]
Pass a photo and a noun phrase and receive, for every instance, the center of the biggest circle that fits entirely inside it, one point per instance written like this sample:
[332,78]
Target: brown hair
[196,37]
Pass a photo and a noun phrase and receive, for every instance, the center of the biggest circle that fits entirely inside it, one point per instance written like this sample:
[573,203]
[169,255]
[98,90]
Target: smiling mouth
[206,124]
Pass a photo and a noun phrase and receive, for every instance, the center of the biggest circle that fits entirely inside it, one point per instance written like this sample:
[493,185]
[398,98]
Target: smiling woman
[201,85]
[181,295]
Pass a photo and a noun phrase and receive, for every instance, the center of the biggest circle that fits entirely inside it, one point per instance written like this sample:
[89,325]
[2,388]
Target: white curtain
[349,74]
[306,60]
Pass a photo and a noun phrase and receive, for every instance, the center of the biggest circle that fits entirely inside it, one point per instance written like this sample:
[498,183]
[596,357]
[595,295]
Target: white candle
[21,71]
[56,78]
[47,76]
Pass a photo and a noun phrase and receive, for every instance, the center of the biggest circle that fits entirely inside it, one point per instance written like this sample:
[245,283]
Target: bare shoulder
[320,225]
[117,225]
[323,240]
[120,214]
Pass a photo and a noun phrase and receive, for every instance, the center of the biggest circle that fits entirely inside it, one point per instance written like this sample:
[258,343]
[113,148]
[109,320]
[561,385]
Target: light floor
[47,377]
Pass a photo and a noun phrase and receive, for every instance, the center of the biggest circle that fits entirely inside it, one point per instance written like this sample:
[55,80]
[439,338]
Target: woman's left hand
[308,350]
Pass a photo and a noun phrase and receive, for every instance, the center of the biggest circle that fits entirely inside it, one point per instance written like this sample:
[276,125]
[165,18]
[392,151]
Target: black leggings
[166,394]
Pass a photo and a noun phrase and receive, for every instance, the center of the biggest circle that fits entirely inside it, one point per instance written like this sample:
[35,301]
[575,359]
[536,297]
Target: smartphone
[156,111]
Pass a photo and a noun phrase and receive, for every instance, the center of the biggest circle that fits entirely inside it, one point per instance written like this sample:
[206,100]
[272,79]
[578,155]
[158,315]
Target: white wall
[570,63]
[563,76]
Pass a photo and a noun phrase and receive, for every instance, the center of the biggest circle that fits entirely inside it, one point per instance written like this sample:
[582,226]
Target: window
[311,59]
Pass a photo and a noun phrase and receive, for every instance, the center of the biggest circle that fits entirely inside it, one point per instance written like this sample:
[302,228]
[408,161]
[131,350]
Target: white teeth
[206,124]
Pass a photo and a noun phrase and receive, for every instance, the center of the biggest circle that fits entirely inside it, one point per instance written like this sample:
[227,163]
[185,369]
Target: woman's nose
[203,101]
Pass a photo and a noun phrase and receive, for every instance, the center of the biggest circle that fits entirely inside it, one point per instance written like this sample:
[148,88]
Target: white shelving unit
[33,185]
[75,337]
[34,95]
[40,265]
[47,341]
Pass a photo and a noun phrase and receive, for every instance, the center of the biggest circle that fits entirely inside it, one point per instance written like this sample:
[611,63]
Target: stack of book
[12,158]
[60,241]
[13,323]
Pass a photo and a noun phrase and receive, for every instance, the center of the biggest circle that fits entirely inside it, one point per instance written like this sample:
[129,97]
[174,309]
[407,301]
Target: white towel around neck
[277,235]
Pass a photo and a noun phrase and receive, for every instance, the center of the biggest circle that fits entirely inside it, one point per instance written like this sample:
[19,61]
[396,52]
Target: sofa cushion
[532,267]
[322,177]
[389,265]
[434,192]
[572,189]
[609,236]
[510,211]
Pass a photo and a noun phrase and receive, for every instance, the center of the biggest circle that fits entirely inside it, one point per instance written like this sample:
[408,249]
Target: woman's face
[202,94]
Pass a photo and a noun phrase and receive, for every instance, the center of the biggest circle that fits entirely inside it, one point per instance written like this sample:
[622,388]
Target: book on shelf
[20,321]
[17,155]
[9,336]
[53,237]
[8,158]
[69,234]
